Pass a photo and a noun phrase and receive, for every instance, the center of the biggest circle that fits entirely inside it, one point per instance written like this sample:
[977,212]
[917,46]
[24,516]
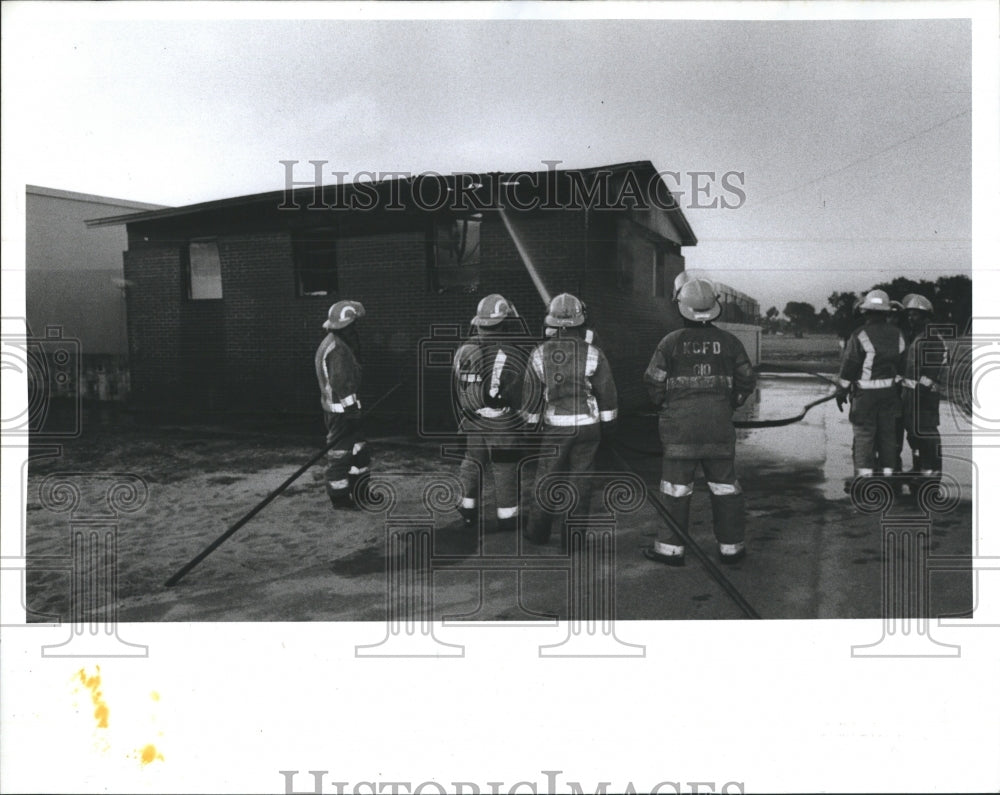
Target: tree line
[950,295]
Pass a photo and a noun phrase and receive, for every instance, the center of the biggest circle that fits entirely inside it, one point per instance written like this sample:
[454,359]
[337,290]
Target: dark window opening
[455,256]
[204,270]
[315,266]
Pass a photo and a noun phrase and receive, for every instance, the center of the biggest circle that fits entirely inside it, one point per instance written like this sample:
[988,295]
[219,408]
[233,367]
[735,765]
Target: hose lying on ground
[775,423]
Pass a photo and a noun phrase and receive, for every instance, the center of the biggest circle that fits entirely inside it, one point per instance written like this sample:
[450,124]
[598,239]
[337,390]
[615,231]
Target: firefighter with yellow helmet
[697,376]
[924,379]
[870,372]
[488,379]
[338,370]
[570,392]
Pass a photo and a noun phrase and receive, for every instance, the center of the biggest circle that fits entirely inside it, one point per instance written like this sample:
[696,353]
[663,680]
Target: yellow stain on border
[93,683]
[149,754]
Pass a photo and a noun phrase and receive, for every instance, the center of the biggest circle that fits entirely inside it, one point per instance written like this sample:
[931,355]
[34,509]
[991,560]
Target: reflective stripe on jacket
[339,375]
[488,378]
[873,356]
[692,378]
[568,382]
[926,363]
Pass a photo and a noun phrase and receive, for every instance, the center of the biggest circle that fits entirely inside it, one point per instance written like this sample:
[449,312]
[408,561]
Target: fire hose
[655,503]
[260,506]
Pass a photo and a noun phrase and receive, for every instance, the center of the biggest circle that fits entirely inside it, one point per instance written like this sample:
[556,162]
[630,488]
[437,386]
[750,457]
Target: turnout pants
[487,451]
[921,417]
[728,502]
[348,460]
[576,450]
[874,414]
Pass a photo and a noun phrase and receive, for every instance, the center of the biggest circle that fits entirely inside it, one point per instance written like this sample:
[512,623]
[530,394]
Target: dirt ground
[812,552]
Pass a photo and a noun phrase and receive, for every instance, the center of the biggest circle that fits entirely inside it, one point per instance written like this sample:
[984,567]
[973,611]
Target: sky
[854,137]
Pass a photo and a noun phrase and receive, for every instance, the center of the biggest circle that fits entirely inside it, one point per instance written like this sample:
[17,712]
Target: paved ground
[812,553]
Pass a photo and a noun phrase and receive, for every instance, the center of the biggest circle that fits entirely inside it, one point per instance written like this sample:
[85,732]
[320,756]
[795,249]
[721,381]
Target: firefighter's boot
[729,523]
[671,552]
[469,511]
[359,488]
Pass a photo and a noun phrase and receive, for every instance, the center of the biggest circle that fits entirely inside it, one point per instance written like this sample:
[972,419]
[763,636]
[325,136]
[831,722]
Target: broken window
[204,270]
[455,254]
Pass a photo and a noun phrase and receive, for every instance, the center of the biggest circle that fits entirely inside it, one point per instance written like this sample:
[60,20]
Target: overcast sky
[854,137]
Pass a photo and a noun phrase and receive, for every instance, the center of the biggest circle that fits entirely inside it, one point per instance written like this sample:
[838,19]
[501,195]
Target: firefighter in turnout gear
[698,375]
[488,376]
[870,372]
[924,378]
[570,392]
[338,370]
[590,335]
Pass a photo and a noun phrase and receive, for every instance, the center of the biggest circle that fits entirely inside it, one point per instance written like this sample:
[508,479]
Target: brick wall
[253,350]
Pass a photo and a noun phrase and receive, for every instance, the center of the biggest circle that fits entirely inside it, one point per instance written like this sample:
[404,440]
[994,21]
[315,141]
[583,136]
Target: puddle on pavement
[813,452]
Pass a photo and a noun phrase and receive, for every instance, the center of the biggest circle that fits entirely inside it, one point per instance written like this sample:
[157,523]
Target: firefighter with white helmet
[697,376]
[569,390]
[924,378]
[870,371]
[590,335]
[338,370]
[488,378]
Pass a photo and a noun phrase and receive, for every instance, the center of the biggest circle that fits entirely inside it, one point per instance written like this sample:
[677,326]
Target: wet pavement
[812,553]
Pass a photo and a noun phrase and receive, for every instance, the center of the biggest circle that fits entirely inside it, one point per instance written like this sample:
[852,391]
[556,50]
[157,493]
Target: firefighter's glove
[609,430]
[738,399]
[352,413]
[841,398]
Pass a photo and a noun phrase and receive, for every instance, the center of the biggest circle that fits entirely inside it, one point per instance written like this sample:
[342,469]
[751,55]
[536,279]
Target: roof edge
[92,198]
[684,228]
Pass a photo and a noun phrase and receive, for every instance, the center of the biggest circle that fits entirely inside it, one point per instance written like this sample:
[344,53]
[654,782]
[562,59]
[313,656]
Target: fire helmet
[696,300]
[876,301]
[565,311]
[914,301]
[342,314]
[493,310]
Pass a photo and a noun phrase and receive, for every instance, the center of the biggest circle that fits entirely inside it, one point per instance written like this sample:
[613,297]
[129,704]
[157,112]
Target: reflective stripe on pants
[874,414]
[575,456]
[351,452]
[489,452]
[728,502]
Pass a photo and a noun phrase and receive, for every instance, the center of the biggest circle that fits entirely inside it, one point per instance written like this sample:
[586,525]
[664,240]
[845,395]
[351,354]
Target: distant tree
[843,319]
[901,286]
[801,315]
[951,296]
[953,302]
[771,319]
[824,320]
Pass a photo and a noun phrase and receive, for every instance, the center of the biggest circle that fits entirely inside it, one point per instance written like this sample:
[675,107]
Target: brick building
[227,298]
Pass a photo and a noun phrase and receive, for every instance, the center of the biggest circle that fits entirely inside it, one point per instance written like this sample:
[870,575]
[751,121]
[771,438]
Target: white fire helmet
[342,314]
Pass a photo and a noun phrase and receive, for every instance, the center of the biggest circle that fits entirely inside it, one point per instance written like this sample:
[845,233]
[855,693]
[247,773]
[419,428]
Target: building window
[204,270]
[455,254]
[315,265]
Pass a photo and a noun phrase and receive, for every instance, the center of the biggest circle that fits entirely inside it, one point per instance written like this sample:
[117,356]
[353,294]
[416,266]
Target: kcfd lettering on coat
[696,377]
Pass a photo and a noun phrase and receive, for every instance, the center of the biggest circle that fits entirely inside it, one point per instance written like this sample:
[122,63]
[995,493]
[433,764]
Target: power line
[866,158]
